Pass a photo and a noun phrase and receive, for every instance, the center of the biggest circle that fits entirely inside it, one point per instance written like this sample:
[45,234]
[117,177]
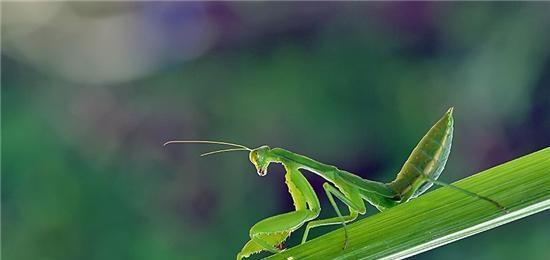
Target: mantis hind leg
[270,232]
[353,201]
[469,193]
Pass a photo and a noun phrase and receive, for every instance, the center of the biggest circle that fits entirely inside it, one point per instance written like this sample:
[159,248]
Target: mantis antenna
[223,151]
[240,147]
[206,142]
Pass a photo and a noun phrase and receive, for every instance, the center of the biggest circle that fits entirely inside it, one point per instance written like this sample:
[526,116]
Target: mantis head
[261,157]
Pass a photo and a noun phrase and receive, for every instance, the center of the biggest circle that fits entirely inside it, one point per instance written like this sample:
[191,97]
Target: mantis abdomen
[426,160]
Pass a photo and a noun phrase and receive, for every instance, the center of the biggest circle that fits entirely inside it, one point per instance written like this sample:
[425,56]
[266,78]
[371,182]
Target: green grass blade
[441,216]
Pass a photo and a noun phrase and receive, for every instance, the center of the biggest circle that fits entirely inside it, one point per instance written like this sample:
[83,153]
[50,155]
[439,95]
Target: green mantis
[420,171]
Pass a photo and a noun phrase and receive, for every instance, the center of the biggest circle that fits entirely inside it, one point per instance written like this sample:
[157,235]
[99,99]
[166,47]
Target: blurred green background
[90,91]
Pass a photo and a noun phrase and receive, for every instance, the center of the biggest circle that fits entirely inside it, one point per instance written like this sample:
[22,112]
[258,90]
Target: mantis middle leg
[270,232]
[350,197]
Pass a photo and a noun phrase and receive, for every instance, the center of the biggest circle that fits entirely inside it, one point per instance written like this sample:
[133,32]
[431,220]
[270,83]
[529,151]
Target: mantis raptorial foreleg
[270,232]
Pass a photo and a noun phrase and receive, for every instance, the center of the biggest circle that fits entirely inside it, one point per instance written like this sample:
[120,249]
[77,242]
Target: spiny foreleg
[269,233]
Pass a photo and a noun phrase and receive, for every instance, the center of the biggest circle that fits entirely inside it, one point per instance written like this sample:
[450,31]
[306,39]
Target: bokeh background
[90,91]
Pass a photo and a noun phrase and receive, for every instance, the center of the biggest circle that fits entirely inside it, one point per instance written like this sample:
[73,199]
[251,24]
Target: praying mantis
[420,171]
